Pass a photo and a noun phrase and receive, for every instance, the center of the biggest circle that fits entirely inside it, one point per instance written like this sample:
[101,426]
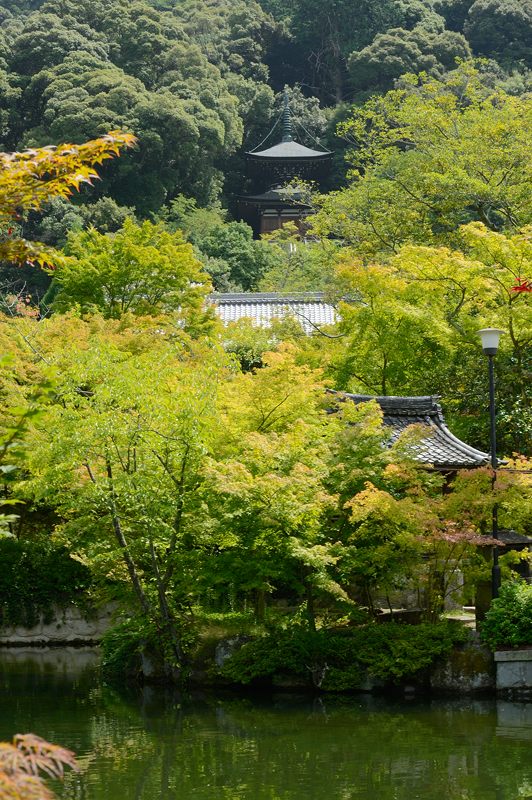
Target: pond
[155,744]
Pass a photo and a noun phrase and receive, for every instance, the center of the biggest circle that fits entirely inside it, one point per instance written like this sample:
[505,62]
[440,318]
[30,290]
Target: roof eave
[264,156]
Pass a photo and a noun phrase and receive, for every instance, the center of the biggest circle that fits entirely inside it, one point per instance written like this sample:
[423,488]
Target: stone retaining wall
[514,671]
[468,669]
[70,625]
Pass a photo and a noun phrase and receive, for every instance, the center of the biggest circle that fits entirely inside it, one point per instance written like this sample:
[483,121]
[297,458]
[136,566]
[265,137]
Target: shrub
[138,639]
[122,647]
[338,661]
[36,576]
[508,622]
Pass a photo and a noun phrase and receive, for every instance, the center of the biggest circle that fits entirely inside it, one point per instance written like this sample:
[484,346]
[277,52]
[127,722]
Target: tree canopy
[140,269]
[192,467]
[196,80]
[429,157]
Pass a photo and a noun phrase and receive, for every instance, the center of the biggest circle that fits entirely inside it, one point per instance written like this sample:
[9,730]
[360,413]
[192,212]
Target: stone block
[514,669]
[69,625]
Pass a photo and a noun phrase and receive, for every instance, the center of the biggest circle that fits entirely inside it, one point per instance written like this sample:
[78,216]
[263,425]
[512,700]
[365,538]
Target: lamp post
[490,344]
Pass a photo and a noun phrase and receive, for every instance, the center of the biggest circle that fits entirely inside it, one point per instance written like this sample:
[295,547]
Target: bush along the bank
[332,661]
[508,622]
[139,649]
[122,647]
[37,576]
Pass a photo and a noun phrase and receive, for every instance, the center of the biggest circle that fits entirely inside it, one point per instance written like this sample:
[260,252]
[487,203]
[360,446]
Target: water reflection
[158,745]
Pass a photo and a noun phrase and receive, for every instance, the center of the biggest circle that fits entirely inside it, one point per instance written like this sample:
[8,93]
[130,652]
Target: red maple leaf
[523,285]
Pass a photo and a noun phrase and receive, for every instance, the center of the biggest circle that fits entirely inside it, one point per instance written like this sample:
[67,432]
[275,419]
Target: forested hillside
[196,81]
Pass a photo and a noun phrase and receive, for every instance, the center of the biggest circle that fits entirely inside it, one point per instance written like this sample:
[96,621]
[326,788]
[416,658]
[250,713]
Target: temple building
[310,309]
[439,448]
[269,207]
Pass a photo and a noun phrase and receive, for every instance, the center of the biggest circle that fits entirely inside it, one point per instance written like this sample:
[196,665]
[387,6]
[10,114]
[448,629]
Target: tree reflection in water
[153,744]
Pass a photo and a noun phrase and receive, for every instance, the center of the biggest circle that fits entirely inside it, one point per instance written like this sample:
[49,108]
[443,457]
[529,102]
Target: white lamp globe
[490,340]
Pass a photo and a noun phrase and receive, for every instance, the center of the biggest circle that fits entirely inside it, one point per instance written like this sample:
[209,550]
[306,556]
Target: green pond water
[158,745]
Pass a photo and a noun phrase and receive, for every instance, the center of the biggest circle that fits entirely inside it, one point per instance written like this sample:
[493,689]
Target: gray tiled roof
[510,537]
[309,308]
[289,150]
[276,197]
[440,447]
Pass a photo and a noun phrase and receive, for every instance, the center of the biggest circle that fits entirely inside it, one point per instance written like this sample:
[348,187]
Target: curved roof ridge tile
[440,448]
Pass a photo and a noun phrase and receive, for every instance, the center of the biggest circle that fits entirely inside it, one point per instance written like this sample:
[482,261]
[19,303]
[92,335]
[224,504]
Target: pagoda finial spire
[287,118]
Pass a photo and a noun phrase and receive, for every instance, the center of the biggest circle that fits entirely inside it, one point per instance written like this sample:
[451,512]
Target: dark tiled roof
[309,308]
[509,537]
[276,197]
[440,448]
[291,150]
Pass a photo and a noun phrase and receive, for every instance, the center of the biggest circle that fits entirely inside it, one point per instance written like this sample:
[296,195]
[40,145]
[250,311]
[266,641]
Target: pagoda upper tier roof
[290,150]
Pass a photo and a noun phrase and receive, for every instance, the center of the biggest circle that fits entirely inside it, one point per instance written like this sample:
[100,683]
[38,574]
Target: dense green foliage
[235,258]
[35,578]
[141,269]
[398,51]
[508,623]
[194,80]
[188,483]
[435,232]
[127,643]
[194,467]
[340,661]
[328,46]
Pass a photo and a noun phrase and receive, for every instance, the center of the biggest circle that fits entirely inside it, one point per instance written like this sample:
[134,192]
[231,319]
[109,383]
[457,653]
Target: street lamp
[490,344]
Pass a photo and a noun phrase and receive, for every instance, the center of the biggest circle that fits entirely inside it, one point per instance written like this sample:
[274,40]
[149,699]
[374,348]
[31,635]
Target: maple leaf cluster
[25,761]
[31,178]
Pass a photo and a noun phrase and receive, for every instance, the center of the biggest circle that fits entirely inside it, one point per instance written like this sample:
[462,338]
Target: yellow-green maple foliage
[31,178]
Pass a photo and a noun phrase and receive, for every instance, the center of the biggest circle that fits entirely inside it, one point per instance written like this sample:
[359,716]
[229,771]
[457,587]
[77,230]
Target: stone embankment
[469,669]
[68,626]
[514,673]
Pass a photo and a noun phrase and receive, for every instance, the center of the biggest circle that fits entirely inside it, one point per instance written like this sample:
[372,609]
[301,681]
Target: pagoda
[270,170]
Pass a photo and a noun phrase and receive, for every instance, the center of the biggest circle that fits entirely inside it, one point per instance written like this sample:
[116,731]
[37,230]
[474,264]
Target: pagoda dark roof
[275,197]
[439,448]
[289,150]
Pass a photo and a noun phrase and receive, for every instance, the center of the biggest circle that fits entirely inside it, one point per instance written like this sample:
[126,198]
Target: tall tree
[501,29]
[134,416]
[397,51]
[79,69]
[141,269]
[429,157]
[412,328]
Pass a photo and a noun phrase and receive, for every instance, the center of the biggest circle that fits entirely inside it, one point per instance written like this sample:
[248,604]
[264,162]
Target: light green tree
[141,269]
[411,328]
[428,158]
[134,418]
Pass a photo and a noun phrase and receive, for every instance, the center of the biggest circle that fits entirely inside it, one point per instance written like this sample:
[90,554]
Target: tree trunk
[167,618]
[121,539]
[260,605]
[311,616]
